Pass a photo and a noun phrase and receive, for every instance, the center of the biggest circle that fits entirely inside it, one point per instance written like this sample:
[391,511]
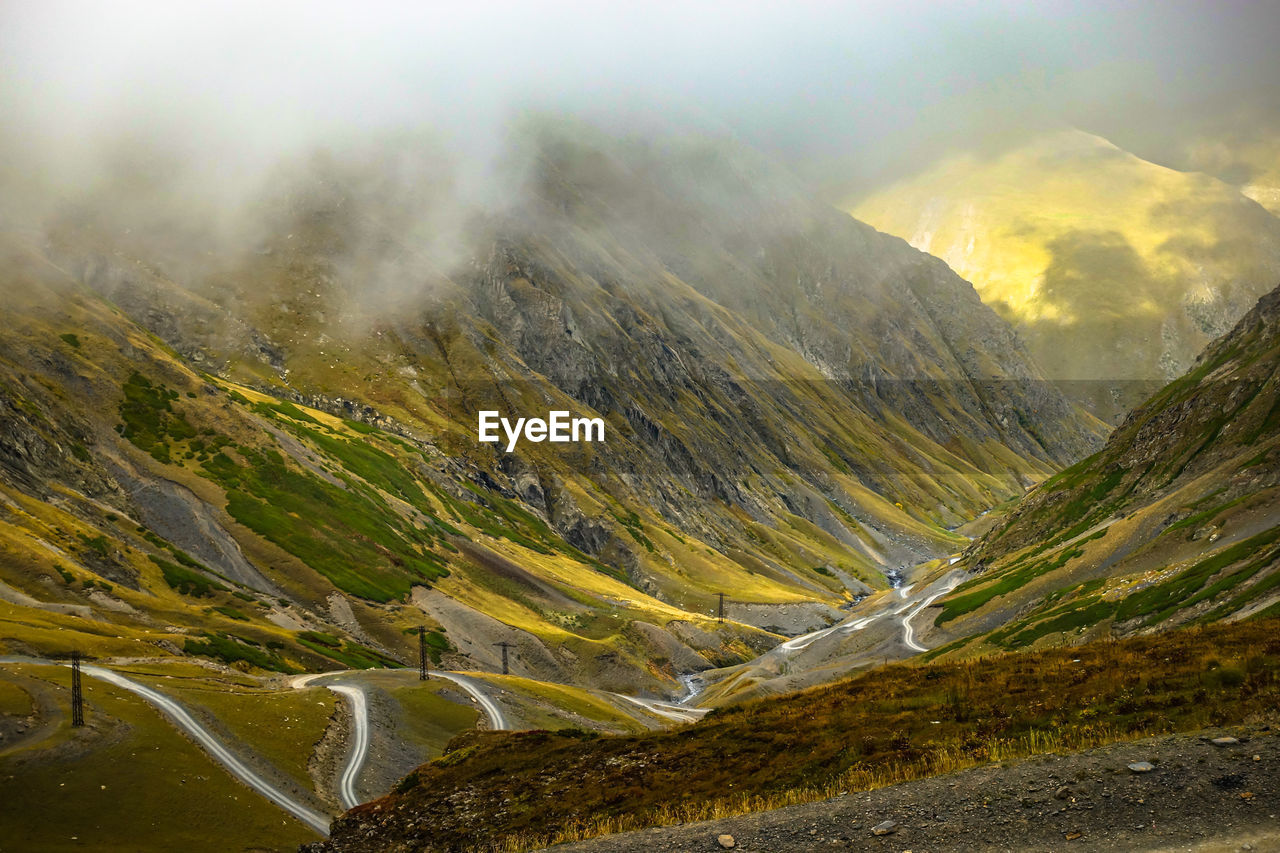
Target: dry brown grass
[894,724]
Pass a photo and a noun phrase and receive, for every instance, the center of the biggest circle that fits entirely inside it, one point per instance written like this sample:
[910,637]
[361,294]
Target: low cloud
[201,108]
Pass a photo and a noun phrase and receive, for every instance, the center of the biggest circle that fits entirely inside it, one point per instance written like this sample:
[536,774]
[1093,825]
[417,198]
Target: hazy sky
[845,92]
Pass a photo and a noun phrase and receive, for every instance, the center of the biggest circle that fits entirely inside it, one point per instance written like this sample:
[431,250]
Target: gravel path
[1199,797]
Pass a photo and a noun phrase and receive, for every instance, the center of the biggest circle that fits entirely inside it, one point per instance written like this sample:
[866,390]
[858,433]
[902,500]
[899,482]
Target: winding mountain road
[497,720]
[803,641]
[678,713]
[359,743]
[358,701]
[908,631]
[904,605]
[358,756]
[213,746]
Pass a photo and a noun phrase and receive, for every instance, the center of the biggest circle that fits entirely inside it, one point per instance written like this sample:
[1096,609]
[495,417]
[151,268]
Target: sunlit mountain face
[1115,270]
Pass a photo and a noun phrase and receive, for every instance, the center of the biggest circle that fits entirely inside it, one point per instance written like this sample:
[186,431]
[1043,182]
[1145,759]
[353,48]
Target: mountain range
[240,448]
[231,455]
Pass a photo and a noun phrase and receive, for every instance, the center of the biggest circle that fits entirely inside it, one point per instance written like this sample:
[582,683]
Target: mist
[200,108]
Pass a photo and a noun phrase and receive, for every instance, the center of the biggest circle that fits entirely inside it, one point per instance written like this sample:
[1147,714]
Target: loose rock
[1142,767]
[885,827]
[1225,741]
[726,841]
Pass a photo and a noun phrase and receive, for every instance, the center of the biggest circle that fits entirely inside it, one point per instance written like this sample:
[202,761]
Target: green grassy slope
[1176,520]
[128,780]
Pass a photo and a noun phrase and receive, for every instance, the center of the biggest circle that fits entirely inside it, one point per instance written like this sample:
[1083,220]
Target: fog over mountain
[849,94]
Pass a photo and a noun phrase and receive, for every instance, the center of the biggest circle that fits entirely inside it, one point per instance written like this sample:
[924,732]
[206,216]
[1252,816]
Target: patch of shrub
[149,421]
[229,649]
[186,581]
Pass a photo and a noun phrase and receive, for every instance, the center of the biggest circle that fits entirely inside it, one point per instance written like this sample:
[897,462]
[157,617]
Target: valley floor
[1199,797]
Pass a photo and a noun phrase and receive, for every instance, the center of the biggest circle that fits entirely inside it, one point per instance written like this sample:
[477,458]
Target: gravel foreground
[1198,796]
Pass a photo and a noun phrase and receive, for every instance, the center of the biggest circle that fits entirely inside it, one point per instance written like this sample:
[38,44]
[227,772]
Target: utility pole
[422,654]
[505,645]
[720,610]
[77,694]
